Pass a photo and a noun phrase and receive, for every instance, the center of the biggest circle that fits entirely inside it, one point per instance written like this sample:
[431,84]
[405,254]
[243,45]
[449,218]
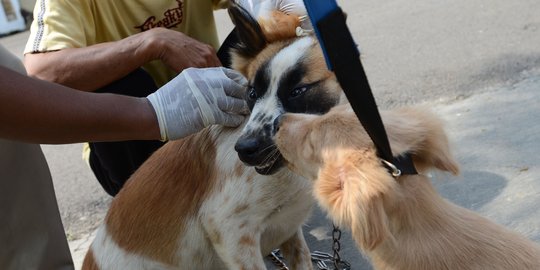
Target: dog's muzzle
[257,149]
[262,155]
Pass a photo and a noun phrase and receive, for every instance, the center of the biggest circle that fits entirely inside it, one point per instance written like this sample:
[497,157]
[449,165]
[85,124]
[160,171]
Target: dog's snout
[256,146]
[259,152]
[247,146]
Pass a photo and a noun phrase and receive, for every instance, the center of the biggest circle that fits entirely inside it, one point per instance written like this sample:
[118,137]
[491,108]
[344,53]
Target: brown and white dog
[399,223]
[194,204]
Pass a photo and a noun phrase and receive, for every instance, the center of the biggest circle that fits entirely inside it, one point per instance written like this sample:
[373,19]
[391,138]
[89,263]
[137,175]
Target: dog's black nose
[247,147]
[254,151]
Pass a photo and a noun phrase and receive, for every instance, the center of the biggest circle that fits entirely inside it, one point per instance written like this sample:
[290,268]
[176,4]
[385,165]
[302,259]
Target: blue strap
[318,10]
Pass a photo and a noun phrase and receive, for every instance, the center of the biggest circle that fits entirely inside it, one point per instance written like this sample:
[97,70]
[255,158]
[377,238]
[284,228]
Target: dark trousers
[114,162]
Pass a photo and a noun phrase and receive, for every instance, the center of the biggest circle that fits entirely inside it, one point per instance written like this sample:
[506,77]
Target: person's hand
[197,98]
[179,51]
[263,9]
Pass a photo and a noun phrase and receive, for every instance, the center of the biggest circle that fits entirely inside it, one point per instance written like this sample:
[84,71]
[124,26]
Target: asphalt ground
[475,63]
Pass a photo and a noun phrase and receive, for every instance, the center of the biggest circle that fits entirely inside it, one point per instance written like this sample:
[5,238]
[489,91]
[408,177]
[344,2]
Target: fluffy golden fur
[399,223]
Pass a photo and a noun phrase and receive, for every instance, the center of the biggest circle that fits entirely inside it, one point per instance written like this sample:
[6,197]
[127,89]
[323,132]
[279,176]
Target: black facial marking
[267,119]
[294,94]
[268,128]
[298,97]
[259,86]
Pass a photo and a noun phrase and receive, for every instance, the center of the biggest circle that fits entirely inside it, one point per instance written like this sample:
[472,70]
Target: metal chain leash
[277,259]
[320,258]
[339,264]
[323,259]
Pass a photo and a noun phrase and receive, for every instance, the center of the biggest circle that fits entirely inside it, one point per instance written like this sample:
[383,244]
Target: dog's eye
[252,94]
[299,91]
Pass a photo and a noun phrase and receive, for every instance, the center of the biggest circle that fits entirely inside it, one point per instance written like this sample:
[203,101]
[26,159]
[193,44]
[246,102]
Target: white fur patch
[288,58]
[108,255]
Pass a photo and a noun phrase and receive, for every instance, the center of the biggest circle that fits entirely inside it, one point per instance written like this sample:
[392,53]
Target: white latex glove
[263,8]
[197,98]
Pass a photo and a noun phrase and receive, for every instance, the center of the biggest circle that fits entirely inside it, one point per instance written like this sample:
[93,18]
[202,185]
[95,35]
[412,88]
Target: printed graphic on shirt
[171,18]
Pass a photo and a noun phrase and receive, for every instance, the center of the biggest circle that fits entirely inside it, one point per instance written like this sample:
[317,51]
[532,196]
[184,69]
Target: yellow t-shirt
[61,24]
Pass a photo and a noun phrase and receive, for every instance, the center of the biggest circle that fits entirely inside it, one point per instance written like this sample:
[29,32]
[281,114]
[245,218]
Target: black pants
[114,162]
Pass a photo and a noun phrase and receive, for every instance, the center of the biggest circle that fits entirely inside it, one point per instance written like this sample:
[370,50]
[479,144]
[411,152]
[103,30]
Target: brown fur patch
[296,251]
[317,70]
[241,208]
[215,237]
[172,183]
[248,67]
[246,240]
[89,262]
[243,225]
[239,168]
[279,26]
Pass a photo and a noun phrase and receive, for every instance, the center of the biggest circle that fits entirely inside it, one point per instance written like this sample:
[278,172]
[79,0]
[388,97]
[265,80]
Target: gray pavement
[476,63]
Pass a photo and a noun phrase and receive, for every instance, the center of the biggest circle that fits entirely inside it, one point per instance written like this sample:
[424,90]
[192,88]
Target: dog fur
[400,223]
[194,204]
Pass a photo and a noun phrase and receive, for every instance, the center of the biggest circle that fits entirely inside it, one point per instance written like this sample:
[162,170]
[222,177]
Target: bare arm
[95,66]
[41,112]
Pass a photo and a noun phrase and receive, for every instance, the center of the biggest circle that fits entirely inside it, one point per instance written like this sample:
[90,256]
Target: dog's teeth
[262,167]
[267,165]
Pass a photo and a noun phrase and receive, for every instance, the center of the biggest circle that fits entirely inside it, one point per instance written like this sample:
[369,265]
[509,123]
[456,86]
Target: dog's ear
[251,38]
[351,187]
[419,132]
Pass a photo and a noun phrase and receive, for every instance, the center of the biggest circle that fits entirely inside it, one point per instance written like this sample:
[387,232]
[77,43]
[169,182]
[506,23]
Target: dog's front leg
[238,248]
[295,250]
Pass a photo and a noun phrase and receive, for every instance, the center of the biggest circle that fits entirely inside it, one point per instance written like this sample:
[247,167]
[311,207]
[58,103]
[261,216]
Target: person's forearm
[91,67]
[36,111]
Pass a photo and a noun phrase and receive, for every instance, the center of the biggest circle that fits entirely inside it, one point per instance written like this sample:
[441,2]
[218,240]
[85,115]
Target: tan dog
[400,223]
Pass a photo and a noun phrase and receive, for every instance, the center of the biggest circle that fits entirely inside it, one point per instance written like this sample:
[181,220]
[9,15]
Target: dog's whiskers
[272,157]
[269,146]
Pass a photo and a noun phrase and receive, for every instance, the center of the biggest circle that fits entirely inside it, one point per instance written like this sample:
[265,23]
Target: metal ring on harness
[394,170]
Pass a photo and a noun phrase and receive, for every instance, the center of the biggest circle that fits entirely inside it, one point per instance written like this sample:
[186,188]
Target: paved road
[476,63]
